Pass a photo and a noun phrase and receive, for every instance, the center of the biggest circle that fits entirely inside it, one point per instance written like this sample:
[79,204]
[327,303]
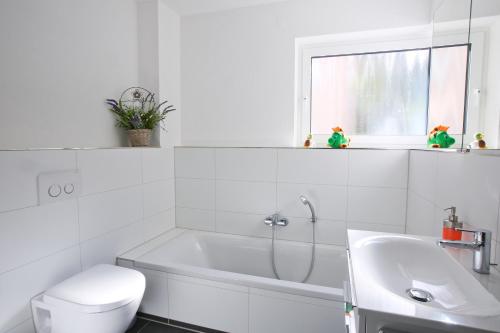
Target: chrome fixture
[308,203]
[481,245]
[276,219]
[420,295]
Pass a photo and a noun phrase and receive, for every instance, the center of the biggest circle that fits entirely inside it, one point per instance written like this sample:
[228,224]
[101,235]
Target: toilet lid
[99,289]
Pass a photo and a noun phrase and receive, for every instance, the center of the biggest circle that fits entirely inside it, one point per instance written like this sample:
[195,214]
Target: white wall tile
[449,186]
[376,205]
[158,197]
[327,232]
[195,163]
[32,233]
[159,223]
[17,287]
[481,182]
[242,224]
[108,169]
[195,193]
[198,219]
[279,315]
[249,164]
[497,256]
[103,212]
[104,249]
[420,217]
[378,168]
[423,173]
[313,166]
[19,171]
[157,164]
[329,201]
[246,197]
[208,306]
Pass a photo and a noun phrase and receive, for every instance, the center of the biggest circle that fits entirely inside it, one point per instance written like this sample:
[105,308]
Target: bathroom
[295,181]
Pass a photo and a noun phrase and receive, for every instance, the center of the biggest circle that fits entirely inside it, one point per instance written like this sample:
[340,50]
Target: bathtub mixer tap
[276,219]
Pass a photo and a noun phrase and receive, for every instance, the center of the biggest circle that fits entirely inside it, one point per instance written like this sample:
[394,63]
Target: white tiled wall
[438,180]
[231,190]
[127,197]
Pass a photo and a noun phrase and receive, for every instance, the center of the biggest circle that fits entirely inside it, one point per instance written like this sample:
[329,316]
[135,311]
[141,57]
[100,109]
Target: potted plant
[137,112]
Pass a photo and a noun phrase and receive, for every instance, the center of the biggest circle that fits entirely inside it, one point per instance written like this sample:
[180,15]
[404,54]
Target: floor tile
[139,323]
[153,327]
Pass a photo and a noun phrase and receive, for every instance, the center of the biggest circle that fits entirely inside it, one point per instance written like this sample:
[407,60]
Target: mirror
[483,112]
[466,70]
[449,62]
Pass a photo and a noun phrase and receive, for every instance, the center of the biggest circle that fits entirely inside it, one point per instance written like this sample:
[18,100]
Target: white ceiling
[191,7]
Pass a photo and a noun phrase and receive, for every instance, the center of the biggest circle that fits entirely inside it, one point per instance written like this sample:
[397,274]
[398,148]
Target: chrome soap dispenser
[451,224]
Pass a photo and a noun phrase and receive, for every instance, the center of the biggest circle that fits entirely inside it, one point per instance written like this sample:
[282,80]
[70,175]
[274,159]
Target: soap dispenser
[451,224]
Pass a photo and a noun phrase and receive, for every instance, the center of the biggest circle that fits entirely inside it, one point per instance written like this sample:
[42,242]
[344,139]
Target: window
[382,93]
[392,91]
[447,87]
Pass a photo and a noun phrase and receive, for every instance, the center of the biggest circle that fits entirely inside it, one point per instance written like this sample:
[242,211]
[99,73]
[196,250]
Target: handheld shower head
[306,202]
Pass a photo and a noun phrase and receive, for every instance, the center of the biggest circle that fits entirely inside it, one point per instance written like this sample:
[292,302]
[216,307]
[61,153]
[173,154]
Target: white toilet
[103,299]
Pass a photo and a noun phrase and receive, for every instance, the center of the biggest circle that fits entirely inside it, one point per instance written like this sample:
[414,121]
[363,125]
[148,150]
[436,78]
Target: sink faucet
[276,219]
[481,245]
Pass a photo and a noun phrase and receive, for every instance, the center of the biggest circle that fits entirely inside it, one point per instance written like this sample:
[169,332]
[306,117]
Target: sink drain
[419,295]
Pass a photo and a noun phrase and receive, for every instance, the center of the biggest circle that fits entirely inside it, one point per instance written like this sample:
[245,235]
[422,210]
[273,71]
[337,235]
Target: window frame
[368,42]
[346,44]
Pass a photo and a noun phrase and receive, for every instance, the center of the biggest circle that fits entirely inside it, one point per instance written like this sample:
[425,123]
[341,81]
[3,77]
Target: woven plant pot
[139,137]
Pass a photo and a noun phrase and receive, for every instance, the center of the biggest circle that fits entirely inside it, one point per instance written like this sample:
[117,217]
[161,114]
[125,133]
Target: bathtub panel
[282,315]
[155,300]
[208,306]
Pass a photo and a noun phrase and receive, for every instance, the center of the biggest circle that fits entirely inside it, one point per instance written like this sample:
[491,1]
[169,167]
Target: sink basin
[397,264]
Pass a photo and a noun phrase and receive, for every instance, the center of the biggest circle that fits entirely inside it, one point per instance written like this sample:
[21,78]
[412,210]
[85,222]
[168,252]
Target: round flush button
[69,188]
[55,190]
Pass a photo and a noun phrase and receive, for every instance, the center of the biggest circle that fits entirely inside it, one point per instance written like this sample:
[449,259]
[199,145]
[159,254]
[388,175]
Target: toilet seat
[99,289]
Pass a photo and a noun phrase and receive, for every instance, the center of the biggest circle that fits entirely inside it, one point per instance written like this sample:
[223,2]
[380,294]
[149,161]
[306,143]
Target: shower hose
[313,254]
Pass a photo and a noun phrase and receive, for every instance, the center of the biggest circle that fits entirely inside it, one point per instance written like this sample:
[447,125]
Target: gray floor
[146,326]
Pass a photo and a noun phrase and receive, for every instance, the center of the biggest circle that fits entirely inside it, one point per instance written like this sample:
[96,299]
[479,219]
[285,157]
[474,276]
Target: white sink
[385,266]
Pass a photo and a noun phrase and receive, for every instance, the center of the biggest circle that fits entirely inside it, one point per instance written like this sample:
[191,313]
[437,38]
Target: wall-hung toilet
[103,299]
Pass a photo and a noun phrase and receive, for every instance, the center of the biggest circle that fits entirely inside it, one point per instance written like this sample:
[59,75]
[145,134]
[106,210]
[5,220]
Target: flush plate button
[57,186]
[69,188]
[55,190]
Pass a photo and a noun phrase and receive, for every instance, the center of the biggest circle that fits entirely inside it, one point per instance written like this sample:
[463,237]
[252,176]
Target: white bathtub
[226,282]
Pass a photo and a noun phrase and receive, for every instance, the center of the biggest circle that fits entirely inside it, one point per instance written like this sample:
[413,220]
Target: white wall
[169,69]
[238,65]
[232,190]
[439,180]
[127,198]
[60,60]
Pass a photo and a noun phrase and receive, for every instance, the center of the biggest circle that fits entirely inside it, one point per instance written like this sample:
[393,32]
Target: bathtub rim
[132,257]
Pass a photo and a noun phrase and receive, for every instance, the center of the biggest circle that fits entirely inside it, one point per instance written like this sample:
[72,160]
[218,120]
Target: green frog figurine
[338,139]
[439,137]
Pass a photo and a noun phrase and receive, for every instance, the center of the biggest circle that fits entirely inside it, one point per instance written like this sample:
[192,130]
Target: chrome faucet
[481,245]
[276,219]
